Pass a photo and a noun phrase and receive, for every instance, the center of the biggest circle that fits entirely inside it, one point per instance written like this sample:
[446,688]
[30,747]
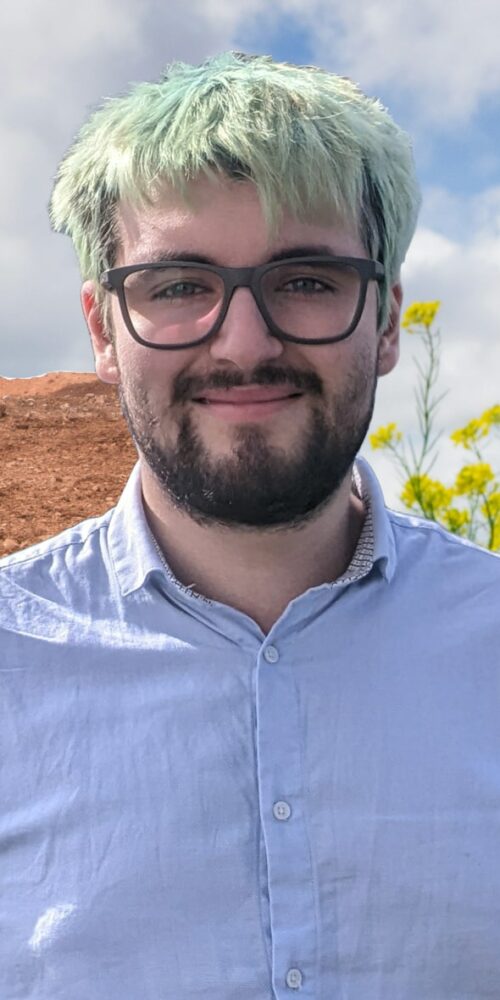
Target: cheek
[143,367]
[348,369]
[157,378]
[335,363]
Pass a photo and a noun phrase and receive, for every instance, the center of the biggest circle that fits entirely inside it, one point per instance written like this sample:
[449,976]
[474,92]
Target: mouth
[246,403]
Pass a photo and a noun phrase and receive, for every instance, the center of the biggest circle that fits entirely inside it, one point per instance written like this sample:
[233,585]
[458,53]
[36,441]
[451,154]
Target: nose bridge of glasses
[236,278]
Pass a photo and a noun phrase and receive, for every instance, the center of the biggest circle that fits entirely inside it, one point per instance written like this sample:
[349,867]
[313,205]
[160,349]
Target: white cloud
[447,57]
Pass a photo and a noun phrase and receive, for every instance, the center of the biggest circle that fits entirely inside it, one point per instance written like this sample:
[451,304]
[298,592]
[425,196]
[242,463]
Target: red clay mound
[65,454]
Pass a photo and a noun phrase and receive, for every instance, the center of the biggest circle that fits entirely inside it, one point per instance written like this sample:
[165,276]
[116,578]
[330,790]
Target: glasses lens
[173,305]
[312,300]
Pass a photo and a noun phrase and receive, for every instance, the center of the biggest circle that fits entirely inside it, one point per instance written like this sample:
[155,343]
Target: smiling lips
[244,396]
[246,403]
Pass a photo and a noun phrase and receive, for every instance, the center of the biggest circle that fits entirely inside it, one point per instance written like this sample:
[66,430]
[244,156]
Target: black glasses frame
[243,277]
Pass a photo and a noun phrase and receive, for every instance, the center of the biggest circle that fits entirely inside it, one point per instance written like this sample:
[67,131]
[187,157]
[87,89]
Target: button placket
[289,869]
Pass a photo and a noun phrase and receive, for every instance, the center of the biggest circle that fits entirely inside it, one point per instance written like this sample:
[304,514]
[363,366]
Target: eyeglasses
[172,305]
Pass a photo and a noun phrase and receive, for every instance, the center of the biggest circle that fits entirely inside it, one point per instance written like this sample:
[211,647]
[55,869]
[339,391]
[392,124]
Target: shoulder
[53,572]
[426,549]
[421,551]
[27,560]
[429,533]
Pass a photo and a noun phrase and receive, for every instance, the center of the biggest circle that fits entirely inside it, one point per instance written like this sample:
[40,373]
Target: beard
[257,485]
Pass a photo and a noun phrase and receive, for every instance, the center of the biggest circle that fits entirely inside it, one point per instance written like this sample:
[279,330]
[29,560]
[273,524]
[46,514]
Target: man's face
[242,463]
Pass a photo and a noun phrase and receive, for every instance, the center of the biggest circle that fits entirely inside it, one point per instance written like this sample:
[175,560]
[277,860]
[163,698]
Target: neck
[256,572]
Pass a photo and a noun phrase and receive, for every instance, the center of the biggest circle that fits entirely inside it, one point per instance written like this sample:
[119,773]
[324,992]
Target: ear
[106,364]
[388,348]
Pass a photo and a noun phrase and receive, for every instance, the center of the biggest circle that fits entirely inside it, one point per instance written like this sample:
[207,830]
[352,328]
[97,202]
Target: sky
[437,73]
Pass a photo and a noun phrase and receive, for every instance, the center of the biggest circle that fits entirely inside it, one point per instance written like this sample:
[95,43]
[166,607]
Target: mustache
[186,386]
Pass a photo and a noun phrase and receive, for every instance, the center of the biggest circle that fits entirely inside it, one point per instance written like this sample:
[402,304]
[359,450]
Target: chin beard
[258,485]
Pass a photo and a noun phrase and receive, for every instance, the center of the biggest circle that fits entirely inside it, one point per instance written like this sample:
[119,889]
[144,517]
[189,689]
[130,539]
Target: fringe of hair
[311,141]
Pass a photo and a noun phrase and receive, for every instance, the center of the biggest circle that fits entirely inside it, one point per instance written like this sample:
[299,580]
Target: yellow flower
[429,494]
[493,508]
[474,478]
[491,416]
[385,437]
[472,432]
[456,520]
[477,429]
[495,543]
[420,314]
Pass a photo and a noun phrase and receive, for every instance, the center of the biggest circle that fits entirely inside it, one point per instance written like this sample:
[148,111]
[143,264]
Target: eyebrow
[317,250]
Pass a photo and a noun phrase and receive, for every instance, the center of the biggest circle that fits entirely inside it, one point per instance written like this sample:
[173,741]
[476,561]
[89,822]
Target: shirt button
[294,979]
[271,654]
[281,810]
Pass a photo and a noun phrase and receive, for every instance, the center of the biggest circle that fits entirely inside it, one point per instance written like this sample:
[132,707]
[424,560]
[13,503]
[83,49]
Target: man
[251,738]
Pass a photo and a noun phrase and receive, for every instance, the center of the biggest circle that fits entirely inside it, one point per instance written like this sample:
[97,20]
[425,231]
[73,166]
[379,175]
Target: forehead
[222,219]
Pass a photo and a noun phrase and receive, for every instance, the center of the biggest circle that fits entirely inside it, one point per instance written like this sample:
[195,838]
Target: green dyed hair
[311,141]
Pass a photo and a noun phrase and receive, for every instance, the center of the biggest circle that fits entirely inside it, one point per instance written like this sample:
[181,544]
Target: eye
[181,290]
[307,285]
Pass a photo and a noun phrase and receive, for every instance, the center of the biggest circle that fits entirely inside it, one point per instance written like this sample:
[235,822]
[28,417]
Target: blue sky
[438,74]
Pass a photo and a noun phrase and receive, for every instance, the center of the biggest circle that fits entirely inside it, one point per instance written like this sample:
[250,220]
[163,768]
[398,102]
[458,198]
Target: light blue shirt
[193,810]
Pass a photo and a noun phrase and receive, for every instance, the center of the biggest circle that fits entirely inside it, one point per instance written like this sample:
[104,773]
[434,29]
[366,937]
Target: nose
[244,339]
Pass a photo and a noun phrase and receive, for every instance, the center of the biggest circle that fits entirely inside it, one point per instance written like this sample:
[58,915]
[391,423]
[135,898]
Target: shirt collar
[384,546]
[135,556]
